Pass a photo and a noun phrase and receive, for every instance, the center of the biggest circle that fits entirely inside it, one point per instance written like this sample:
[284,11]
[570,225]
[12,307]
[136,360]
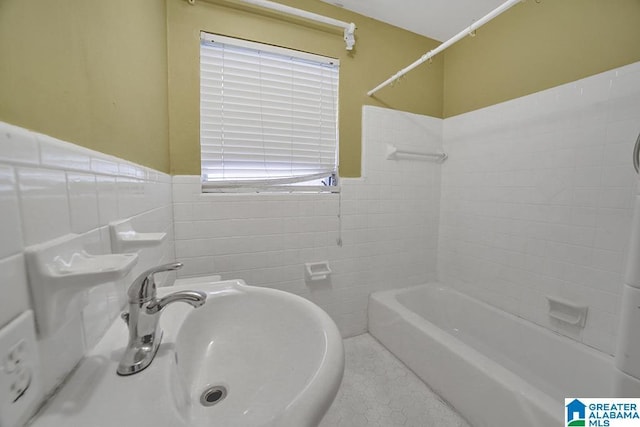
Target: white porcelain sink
[279,357]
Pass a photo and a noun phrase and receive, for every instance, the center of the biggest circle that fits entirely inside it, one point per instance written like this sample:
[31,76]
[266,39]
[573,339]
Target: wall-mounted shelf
[61,270]
[125,239]
[394,153]
[82,268]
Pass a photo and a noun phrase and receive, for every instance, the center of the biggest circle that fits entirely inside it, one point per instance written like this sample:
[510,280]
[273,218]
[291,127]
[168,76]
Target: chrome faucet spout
[143,318]
[193,298]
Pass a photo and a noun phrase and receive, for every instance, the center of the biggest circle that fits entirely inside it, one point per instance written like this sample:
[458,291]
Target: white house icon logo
[576,413]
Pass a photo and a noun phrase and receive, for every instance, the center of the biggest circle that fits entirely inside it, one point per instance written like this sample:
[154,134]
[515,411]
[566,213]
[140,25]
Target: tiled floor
[379,391]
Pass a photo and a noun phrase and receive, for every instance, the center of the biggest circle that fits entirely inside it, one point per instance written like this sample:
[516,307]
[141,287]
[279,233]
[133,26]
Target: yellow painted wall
[95,72]
[381,50]
[91,72]
[536,46]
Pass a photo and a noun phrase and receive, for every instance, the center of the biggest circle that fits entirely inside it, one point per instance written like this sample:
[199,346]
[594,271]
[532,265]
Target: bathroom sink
[249,356]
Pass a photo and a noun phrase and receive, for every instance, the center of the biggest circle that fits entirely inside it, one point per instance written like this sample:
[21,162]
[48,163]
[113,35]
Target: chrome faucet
[143,318]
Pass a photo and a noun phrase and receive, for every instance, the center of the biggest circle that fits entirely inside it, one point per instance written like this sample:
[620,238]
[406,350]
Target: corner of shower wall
[417,181]
[537,200]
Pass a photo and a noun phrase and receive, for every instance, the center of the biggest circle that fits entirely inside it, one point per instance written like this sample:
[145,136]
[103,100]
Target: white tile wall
[15,291]
[10,228]
[536,200]
[388,228]
[83,201]
[44,200]
[49,188]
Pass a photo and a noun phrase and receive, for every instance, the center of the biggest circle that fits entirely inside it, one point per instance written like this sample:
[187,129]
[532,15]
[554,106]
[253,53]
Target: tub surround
[537,199]
[627,347]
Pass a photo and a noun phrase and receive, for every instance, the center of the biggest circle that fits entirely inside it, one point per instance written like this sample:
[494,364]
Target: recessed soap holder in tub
[125,239]
[61,270]
[567,311]
[317,270]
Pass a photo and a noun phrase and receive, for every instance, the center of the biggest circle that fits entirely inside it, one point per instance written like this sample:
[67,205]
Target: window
[268,117]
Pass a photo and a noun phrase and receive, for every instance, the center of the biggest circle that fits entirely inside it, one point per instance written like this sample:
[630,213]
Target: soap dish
[567,311]
[85,268]
[61,270]
[125,239]
[317,270]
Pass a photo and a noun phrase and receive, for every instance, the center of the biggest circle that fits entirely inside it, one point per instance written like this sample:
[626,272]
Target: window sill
[298,189]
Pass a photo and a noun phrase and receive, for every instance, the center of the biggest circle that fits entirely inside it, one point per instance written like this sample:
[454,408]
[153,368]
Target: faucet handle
[144,287]
[162,268]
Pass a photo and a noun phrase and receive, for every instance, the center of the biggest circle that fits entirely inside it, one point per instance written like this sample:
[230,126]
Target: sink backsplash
[50,188]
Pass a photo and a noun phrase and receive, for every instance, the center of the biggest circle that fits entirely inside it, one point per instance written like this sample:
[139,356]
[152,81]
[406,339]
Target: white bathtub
[496,369]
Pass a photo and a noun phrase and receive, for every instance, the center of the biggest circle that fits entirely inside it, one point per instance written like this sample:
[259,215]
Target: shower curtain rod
[349,27]
[467,31]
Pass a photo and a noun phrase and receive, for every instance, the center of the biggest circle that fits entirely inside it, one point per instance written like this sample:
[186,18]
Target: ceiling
[437,19]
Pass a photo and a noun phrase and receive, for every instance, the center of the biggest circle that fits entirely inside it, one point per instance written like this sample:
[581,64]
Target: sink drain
[213,395]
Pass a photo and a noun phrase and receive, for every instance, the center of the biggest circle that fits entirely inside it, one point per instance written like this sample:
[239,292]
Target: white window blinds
[268,116]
